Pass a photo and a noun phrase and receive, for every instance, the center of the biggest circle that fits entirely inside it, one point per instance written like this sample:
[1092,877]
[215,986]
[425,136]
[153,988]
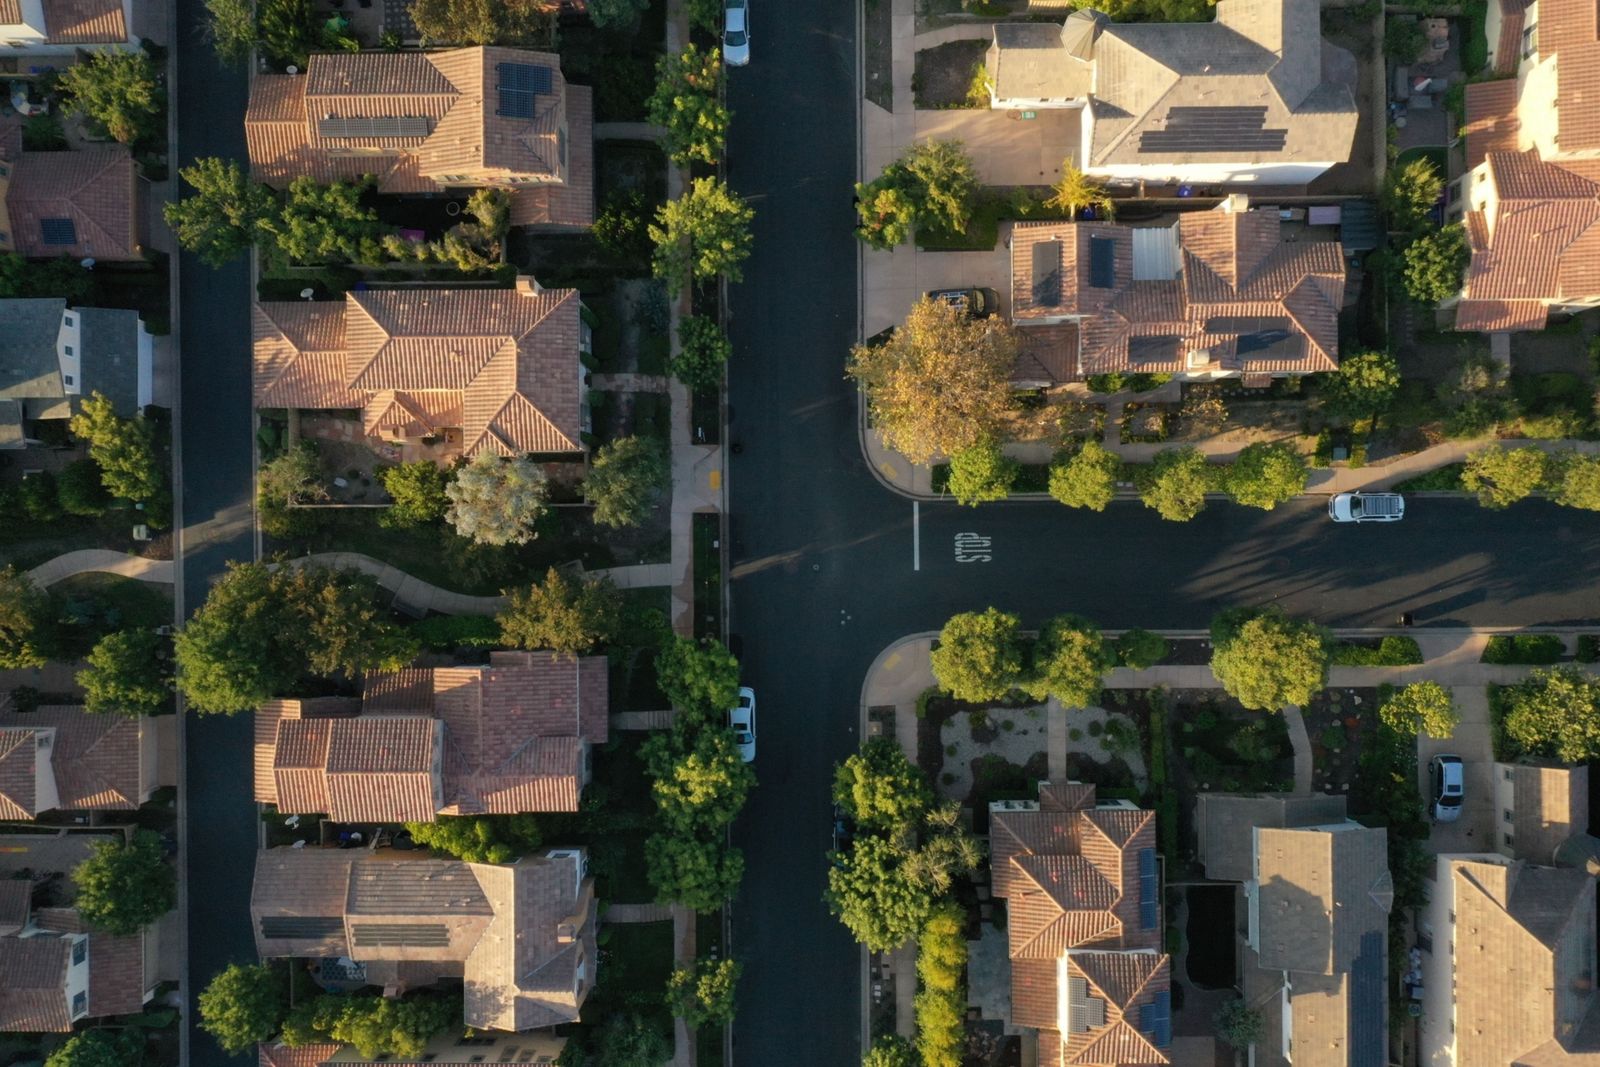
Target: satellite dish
[291,69]
[87,263]
[307,294]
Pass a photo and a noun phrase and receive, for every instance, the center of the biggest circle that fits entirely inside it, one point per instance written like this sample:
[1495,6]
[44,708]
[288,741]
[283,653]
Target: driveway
[1474,831]
[895,280]
[1007,148]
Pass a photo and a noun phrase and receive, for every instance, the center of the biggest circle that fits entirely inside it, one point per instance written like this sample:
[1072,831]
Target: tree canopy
[496,501]
[941,384]
[231,25]
[26,633]
[627,478]
[1502,476]
[687,103]
[124,449]
[1421,707]
[703,996]
[890,1050]
[375,1025]
[1267,660]
[933,183]
[570,616]
[698,677]
[700,789]
[1411,191]
[1238,1024]
[121,91]
[870,892]
[702,234]
[1176,484]
[1075,191]
[703,352]
[885,214]
[243,1005]
[330,223]
[99,1048]
[221,218]
[1070,660]
[980,655]
[1576,481]
[1087,478]
[1267,473]
[122,888]
[981,473]
[418,492]
[1365,385]
[479,838]
[879,787]
[128,673]
[692,871]
[1435,263]
[484,22]
[1555,712]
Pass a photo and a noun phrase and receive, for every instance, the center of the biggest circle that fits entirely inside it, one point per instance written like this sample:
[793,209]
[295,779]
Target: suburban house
[86,204]
[507,738]
[493,370]
[1530,194]
[1083,906]
[1544,812]
[1255,96]
[53,357]
[426,122]
[63,27]
[61,758]
[446,1050]
[519,936]
[1314,918]
[55,971]
[1214,294]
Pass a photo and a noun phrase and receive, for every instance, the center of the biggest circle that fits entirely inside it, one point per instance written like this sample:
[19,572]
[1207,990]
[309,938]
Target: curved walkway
[103,560]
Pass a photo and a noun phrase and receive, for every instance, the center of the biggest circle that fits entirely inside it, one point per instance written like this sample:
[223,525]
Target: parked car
[1367,507]
[742,721]
[1449,787]
[736,33]
[844,833]
[977,302]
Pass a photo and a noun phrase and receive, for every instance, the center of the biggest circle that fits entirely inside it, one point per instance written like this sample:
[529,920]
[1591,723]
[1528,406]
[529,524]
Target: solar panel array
[1047,274]
[519,84]
[1214,129]
[58,231]
[1260,341]
[1155,1019]
[336,126]
[1148,886]
[1084,1012]
[301,926]
[1102,263]
[1369,1029]
[396,935]
[1161,348]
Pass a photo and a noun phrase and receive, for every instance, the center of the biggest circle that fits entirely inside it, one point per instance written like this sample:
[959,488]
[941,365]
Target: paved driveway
[894,280]
[1006,148]
[1474,831]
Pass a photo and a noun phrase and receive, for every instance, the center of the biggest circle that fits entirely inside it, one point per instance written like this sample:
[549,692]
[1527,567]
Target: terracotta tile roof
[94,187]
[462,137]
[33,981]
[1125,982]
[16,896]
[572,202]
[85,22]
[499,364]
[1508,49]
[95,758]
[1036,997]
[18,777]
[1066,796]
[116,975]
[1024,832]
[369,769]
[1207,280]
[273,1054]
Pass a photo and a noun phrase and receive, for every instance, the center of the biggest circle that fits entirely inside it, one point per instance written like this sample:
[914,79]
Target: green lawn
[1435,155]
[707,576]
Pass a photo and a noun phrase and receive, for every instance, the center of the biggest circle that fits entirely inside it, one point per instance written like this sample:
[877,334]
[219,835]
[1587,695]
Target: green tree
[706,14]
[418,492]
[946,852]
[484,22]
[879,787]
[231,25]
[62,277]
[221,218]
[1555,712]
[99,1048]
[698,677]
[1435,263]
[617,14]
[890,1050]
[1501,476]
[1140,649]
[40,496]
[289,31]
[243,1005]
[704,788]
[128,673]
[294,477]
[687,103]
[1238,1024]
[1421,707]
[81,489]
[1266,474]
[693,872]
[627,478]
[119,90]
[1269,660]
[567,615]
[237,650]
[620,227]
[1411,191]
[1070,661]
[703,996]
[941,384]
[122,888]
[941,1005]
[26,626]
[496,501]
[980,655]
[375,1025]
[870,892]
[632,1041]
[885,213]
[703,352]
[1574,477]
[1364,387]
[942,181]
[1075,191]
[702,234]
[1177,483]
[125,449]
[326,223]
[1087,478]
[980,473]
[342,628]
[479,838]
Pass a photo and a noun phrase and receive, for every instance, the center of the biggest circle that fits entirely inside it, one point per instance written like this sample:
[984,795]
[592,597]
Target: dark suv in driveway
[976,302]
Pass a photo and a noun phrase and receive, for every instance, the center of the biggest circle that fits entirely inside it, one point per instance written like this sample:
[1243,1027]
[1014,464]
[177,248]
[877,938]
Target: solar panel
[1260,341]
[1212,129]
[1147,888]
[1102,263]
[336,126]
[58,232]
[413,935]
[1155,1019]
[1047,274]
[1159,349]
[301,926]
[1369,1031]
[519,84]
[1077,1010]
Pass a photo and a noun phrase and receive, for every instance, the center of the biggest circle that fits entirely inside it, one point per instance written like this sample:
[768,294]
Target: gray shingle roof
[28,365]
[109,356]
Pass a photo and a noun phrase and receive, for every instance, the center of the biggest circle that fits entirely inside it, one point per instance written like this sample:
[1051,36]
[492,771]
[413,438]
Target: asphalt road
[828,566]
[214,438]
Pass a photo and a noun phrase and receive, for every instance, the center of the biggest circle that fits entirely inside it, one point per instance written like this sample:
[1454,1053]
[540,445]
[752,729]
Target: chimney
[1236,204]
[527,285]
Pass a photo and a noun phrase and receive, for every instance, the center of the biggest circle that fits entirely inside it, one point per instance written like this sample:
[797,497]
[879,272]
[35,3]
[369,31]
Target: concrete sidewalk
[103,561]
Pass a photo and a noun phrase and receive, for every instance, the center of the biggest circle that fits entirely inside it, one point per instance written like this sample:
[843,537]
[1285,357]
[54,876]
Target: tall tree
[239,649]
[326,223]
[703,995]
[99,1048]
[1177,483]
[885,213]
[942,181]
[231,25]
[121,91]
[702,790]
[1267,660]
[879,787]
[1070,661]
[980,655]
[1074,191]
[1267,473]
[243,1005]
[27,636]
[870,891]
[341,625]
[1556,713]
[1365,385]
[1501,476]
[222,217]
[687,103]
[570,616]
[698,677]
[125,449]
[701,235]
[1087,478]
[696,873]
[1576,481]
[418,492]
[941,384]
[496,501]
[128,673]
[627,478]
[981,473]
[1435,264]
[122,888]
[1411,191]
[484,22]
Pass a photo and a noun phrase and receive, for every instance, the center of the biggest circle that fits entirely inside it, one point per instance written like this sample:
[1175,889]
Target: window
[80,1003]
[1530,40]
[1507,773]
[66,320]
[80,951]
[1507,814]
[68,349]
[1507,839]
[67,378]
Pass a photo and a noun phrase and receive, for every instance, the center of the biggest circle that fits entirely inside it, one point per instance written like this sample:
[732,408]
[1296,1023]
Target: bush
[446,633]
[941,1005]
[981,473]
[1588,648]
[1140,649]
[1391,652]
[1520,649]
[79,490]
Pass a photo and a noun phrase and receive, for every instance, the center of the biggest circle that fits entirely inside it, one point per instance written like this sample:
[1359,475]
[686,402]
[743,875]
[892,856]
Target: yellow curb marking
[716,479]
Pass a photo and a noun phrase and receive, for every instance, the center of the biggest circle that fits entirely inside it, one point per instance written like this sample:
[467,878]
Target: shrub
[446,633]
[1140,649]
[79,489]
[1392,651]
[981,473]
[1588,648]
[1524,649]
[941,1005]
[1421,706]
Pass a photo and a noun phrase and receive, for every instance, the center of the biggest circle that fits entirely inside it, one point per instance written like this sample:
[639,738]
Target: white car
[1449,787]
[736,33]
[1367,507]
[742,721]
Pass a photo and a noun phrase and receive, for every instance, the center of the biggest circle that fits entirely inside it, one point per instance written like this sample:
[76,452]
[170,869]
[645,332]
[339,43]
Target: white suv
[1367,507]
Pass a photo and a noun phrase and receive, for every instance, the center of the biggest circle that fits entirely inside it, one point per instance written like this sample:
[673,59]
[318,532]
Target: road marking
[973,548]
[916,535]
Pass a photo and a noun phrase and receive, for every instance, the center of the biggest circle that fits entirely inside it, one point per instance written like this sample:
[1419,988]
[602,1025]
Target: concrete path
[100,560]
[628,131]
[642,720]
[637,913]
[637,576]
[1300,742]
[683,955]
[629,383]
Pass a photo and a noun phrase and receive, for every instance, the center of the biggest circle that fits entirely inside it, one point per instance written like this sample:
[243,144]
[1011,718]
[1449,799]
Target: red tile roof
[85,22]
[94,760]
[273,1054]
[33,983]
[97,188]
